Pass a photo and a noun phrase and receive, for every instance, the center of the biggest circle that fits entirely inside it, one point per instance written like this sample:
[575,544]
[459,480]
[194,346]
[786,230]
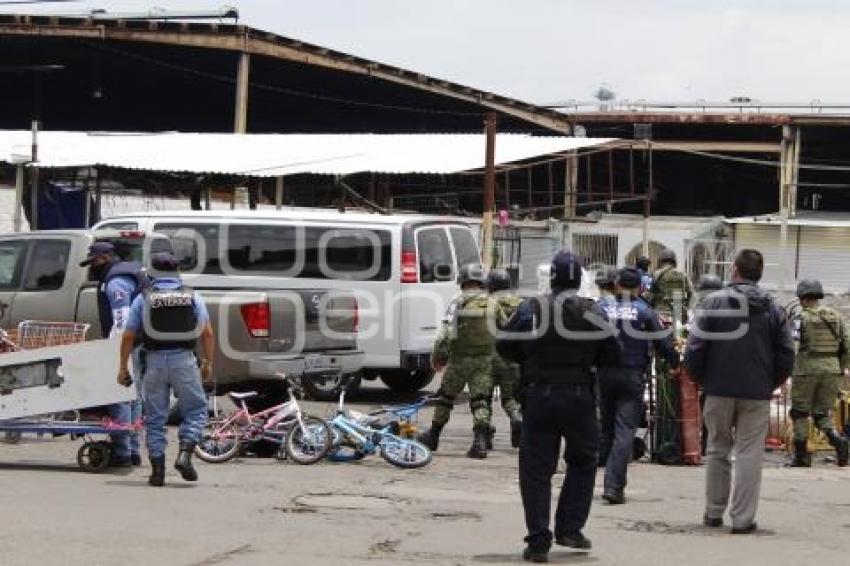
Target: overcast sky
[552,50]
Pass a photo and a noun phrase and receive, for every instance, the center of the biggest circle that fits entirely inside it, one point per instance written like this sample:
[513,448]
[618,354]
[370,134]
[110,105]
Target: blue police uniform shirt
[137,309]
[119,291]
[639,316]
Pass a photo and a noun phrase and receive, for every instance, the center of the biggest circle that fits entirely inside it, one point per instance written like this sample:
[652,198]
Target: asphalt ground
[254,511]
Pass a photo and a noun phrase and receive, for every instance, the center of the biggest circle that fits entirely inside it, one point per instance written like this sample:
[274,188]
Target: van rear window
[356,254]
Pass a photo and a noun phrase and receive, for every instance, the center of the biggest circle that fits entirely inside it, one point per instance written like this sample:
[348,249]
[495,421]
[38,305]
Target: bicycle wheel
[310,443]
[219,441]
[405,453]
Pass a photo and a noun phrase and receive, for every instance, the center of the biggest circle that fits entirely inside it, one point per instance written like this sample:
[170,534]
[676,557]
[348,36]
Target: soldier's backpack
[472,333]
[820,331]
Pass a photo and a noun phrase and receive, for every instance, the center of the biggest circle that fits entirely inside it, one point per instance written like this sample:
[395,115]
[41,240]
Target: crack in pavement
[224,556]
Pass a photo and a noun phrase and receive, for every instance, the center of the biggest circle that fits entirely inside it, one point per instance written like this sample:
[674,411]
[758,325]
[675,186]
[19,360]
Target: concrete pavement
[456,511]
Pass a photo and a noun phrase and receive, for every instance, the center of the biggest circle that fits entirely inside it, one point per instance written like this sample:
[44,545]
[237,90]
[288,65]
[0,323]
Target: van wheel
[406,381]
[328,388]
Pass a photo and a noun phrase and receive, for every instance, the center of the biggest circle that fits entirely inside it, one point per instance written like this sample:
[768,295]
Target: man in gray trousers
[740,350]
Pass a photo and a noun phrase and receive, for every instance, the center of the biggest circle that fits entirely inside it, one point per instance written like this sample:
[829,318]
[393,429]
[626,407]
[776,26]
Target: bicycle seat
[236,396]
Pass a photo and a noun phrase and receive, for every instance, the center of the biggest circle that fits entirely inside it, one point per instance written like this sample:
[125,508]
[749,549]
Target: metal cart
[48,374]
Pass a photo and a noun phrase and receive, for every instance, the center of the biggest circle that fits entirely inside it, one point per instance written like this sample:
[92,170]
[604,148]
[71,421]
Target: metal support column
[278,193]
[240,116]
[489,186]
[34,178]
[647,203]
[19,197]
[570,185]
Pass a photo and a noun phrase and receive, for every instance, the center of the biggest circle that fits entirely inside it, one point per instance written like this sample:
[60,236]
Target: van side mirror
[443,272]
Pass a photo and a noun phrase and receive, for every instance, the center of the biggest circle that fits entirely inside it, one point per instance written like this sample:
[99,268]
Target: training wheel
[93,457]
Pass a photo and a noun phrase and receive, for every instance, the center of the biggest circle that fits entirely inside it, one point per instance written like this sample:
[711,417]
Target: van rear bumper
[324,363]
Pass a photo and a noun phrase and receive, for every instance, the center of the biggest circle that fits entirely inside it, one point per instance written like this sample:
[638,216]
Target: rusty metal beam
[721,146]
[255,42]
[677,118]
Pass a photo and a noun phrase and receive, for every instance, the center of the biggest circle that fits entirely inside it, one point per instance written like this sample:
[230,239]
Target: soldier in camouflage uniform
[465,346]
[824,349]
[672,291]
[505,374]
[670,296]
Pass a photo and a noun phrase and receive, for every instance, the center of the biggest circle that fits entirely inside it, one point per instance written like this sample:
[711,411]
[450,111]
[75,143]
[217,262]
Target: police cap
[628,278]
[566,271]
[164,261]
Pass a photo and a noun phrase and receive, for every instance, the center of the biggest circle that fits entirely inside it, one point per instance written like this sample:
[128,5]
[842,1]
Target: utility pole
[34,178]
[489,186]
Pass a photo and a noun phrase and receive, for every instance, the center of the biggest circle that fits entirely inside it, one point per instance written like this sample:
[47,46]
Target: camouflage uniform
[670,297]
[468,347]
[506,374]
[824,349]
[671,294]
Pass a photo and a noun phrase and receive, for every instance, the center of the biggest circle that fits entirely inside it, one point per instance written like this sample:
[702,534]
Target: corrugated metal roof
[806,218]
[273,155]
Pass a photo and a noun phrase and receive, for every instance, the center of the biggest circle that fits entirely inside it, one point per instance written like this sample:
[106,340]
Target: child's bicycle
[356,435]
[303,439]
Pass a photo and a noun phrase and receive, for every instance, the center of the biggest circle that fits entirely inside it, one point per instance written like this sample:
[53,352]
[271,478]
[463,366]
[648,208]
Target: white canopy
[274,155]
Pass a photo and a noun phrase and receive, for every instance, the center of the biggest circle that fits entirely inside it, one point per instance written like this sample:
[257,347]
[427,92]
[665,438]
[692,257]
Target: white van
[401,268]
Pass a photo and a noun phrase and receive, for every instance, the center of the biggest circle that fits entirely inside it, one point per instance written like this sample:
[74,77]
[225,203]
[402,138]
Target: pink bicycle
[303,439]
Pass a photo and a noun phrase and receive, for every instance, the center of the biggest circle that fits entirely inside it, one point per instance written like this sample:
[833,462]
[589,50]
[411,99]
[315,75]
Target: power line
[750,160]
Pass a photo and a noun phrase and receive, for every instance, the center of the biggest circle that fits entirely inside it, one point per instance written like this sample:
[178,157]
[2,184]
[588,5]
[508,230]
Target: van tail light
[257,319]
[132,234]
[409,268]
[356,316]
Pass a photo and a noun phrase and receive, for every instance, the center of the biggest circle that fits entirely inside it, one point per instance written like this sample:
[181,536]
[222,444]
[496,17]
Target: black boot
[516,429]
[479,444]
[491,434]
[431,437]
[157,477]
[802,458]
[840,444]
[184,461]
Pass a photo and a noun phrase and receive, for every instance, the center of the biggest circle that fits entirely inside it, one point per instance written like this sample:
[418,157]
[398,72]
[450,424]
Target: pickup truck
[259,332]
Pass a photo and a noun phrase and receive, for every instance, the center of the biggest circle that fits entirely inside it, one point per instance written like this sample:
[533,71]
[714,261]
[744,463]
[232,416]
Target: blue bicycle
[356,435]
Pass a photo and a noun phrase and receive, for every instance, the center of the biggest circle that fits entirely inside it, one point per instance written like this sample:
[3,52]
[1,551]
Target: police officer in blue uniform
[118,284]
[171,318]
[638,330]
[558,339]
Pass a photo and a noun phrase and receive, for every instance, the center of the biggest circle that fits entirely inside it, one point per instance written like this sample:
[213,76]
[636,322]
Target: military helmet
[709,282]
[810,288]
[498,280]
[472,273]
[667,256]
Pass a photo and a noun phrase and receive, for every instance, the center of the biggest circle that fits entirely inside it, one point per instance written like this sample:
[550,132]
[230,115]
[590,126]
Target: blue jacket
[638,330]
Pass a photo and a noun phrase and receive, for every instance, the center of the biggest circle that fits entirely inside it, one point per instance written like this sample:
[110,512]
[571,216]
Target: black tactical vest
[170,316]
[556,357]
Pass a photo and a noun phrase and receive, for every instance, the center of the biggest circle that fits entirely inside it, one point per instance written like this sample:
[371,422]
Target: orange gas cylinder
[690,418]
